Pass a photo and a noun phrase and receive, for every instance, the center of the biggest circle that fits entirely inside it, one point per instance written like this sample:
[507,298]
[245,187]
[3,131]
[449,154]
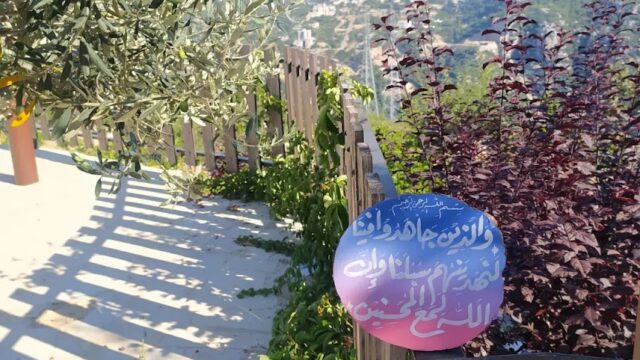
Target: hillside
[339,28]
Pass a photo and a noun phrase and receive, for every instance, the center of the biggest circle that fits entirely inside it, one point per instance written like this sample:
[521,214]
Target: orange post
[23,153]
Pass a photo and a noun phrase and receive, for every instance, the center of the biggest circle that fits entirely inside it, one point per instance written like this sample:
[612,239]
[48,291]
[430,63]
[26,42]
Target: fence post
[275,127]
[73,140]
[189,144]
[636,348]
[209,147]
[169,140]
[103,143]
[23,153]
[86,137]
[230,151]
[364,189]
[296,91]
[252,134]
[306,89]
[117,140]
[289,85]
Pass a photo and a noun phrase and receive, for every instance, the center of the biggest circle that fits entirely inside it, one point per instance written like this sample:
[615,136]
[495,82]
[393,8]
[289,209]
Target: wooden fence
[368,178]
[211,149]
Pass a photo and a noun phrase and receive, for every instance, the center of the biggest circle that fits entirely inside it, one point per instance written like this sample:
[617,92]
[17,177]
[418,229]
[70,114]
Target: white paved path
[117,277]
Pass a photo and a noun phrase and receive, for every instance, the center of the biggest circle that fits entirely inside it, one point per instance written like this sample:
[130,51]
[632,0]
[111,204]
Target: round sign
[423,272]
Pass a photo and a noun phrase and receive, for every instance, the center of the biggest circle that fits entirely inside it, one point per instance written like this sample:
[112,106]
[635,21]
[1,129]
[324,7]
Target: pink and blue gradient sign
[423,272]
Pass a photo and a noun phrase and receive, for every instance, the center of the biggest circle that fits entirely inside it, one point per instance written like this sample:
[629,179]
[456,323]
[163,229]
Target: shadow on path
[140,279]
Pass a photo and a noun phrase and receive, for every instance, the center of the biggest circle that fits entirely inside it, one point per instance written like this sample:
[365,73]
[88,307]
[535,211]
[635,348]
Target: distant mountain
[339,28]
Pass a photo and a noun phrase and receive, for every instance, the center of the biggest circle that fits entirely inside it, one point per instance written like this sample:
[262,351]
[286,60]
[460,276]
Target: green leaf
[82,20]
[102,66]
[129,114]
[98,188]
[85,116]
[236,35]
[343,214]
[124,5]
[134,175]
[196,120]
[155,4]
[253,6]
[251,126]
[84,165]
[112,165]
[35,5]
[66,71]
[151,109]
[47,83]
[19,97]
[61,124]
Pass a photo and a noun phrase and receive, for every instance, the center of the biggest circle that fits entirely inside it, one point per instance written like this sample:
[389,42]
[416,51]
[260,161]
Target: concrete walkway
[121,278]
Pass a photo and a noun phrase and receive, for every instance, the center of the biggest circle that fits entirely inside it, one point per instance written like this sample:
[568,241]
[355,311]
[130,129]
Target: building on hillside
[305,39]
[321,10]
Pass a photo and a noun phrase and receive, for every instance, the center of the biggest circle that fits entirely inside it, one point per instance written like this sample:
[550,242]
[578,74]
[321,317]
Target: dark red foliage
[555,158]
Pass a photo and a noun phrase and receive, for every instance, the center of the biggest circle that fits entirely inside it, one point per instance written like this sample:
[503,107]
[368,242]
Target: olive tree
[134,66]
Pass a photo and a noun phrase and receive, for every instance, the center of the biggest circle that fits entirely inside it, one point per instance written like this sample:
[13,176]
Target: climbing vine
[309,189]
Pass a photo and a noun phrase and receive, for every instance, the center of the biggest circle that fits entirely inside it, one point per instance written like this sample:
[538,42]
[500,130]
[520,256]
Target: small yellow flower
[10,80]
[24,115]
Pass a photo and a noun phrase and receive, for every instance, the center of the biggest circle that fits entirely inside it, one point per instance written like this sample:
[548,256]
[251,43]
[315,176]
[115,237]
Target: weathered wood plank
[189,143]
[364,188]
[209,147]
[374,343]
[348,165]
[251,139]
[323,63]
[275,128]
[118,144]
[314,73]
[364,169]
[636,348]
[367,343]
[289,70]
[308,88]
[103,143]
[292,88]
[87,138]
[297,91]
[358,138]
[360,342]
[73,140]
[252,132]
[169,143]
[230,151]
